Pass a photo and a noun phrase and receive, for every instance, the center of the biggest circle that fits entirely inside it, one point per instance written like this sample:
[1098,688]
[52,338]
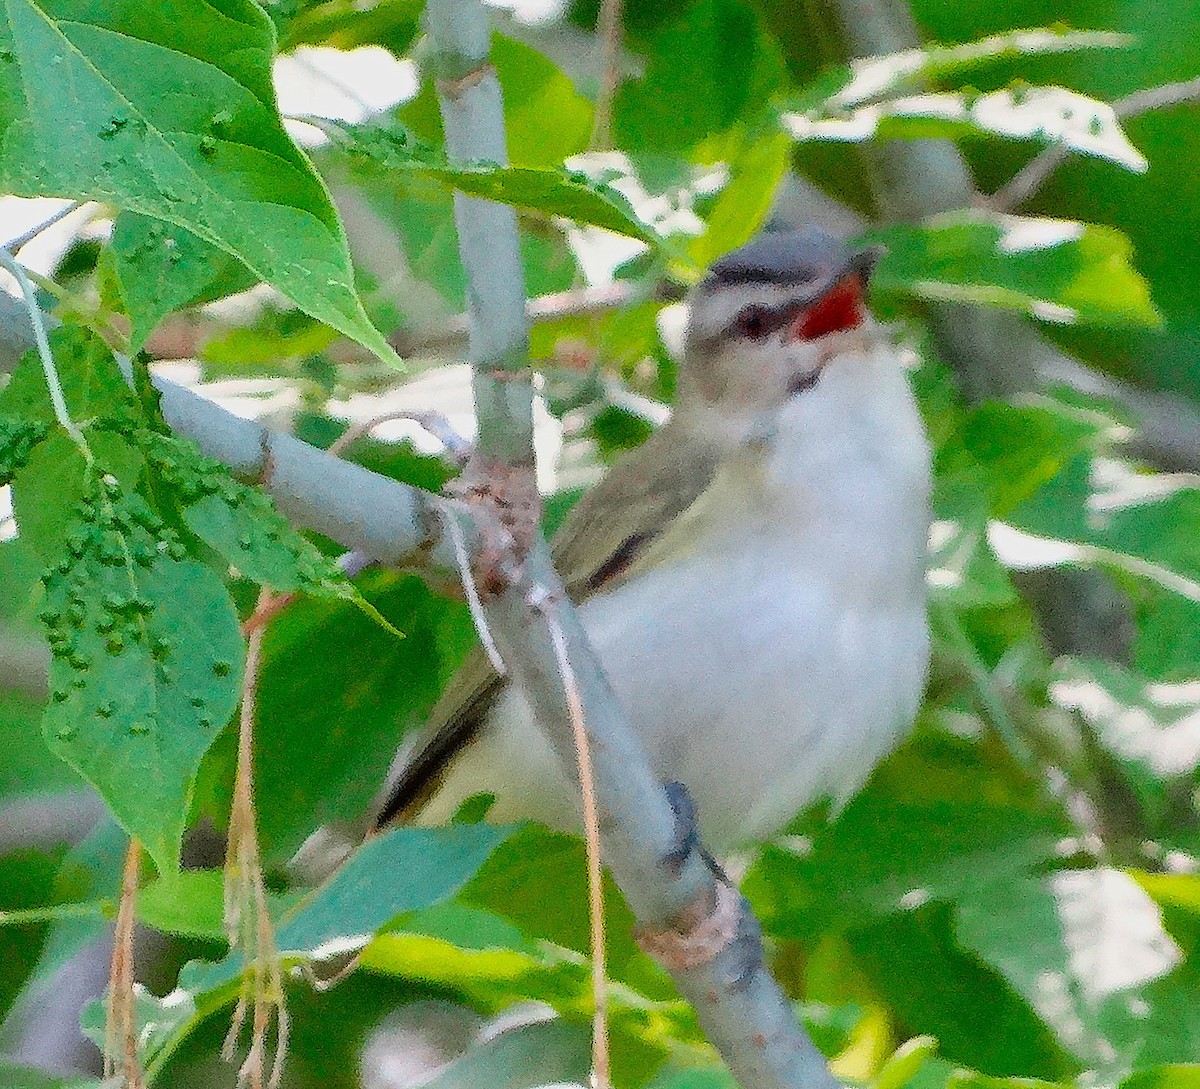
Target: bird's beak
[839,302]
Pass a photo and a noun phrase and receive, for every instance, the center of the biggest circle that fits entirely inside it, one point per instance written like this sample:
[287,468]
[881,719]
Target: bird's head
[769,319]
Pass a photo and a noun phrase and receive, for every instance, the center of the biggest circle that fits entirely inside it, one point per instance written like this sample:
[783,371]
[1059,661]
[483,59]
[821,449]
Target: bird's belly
[760,691]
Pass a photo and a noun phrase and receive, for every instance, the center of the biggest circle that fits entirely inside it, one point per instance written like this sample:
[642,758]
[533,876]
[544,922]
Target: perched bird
[752,577]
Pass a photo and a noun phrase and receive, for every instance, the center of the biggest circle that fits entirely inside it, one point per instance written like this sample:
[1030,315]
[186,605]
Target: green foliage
[549,192]
[146,666]
[160,267]
[1053,270]
[1012,899]
[92,112]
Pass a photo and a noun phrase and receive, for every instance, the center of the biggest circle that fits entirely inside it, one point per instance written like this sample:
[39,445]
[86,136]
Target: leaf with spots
[18,438]
[240,523]
[92,384]
[160,267]
[168,110]
[242,526]
[146,663]
[373,149]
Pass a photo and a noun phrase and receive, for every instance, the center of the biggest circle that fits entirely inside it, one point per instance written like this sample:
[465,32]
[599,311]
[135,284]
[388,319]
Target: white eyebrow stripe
[713,310]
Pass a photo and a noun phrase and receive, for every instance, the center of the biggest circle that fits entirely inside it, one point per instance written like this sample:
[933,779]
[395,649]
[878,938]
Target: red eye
[841,309]
[754,322]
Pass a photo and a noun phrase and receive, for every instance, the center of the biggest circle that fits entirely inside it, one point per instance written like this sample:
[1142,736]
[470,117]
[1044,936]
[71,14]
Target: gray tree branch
[739,1005]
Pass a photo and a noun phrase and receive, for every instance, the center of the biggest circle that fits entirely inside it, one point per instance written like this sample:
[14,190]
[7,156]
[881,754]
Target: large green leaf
[1055,270]
[160,267]
[708,67]
[933,988]
[343,690]
[146,667]
[400,871]
[1110,514]
[168,110]
[882,857]
[240,523]
[1081,946]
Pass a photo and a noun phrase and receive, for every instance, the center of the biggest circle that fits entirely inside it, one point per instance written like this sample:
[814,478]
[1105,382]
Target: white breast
[777,649]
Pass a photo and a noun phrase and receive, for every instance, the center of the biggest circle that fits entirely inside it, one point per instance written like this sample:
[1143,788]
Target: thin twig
[1035,173]
[120,1025]
[433,422]
[247,919]
[15,244]
[609,30]
[601,1064]
[53,384]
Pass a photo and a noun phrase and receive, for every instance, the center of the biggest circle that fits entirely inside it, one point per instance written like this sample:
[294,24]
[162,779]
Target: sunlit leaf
[869,78]
[1053,116]
[1054,270]
[169,111]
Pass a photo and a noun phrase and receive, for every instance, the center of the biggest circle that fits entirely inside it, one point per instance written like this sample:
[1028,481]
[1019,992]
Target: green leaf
[905,1062]
[161,267]
[1055,270]
[1080,946]
[1178,1076]
[871,78]
[344,24]
[882,857]
[240,523]
[28,768]
[744,203]
[694,1079]
[26,1077]
[1152,730]
[48,489]
[553,191]
[92,385]
[146,666]
[708,67]
[169,111]
[191,903]
[1052,116]
[342,690]
[546,120]
[931,987]
[397,872]
[1114,516]
[522,1058]
[18,439]
[400,871]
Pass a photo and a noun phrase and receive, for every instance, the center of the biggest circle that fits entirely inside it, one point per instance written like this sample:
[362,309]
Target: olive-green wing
[605,533]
